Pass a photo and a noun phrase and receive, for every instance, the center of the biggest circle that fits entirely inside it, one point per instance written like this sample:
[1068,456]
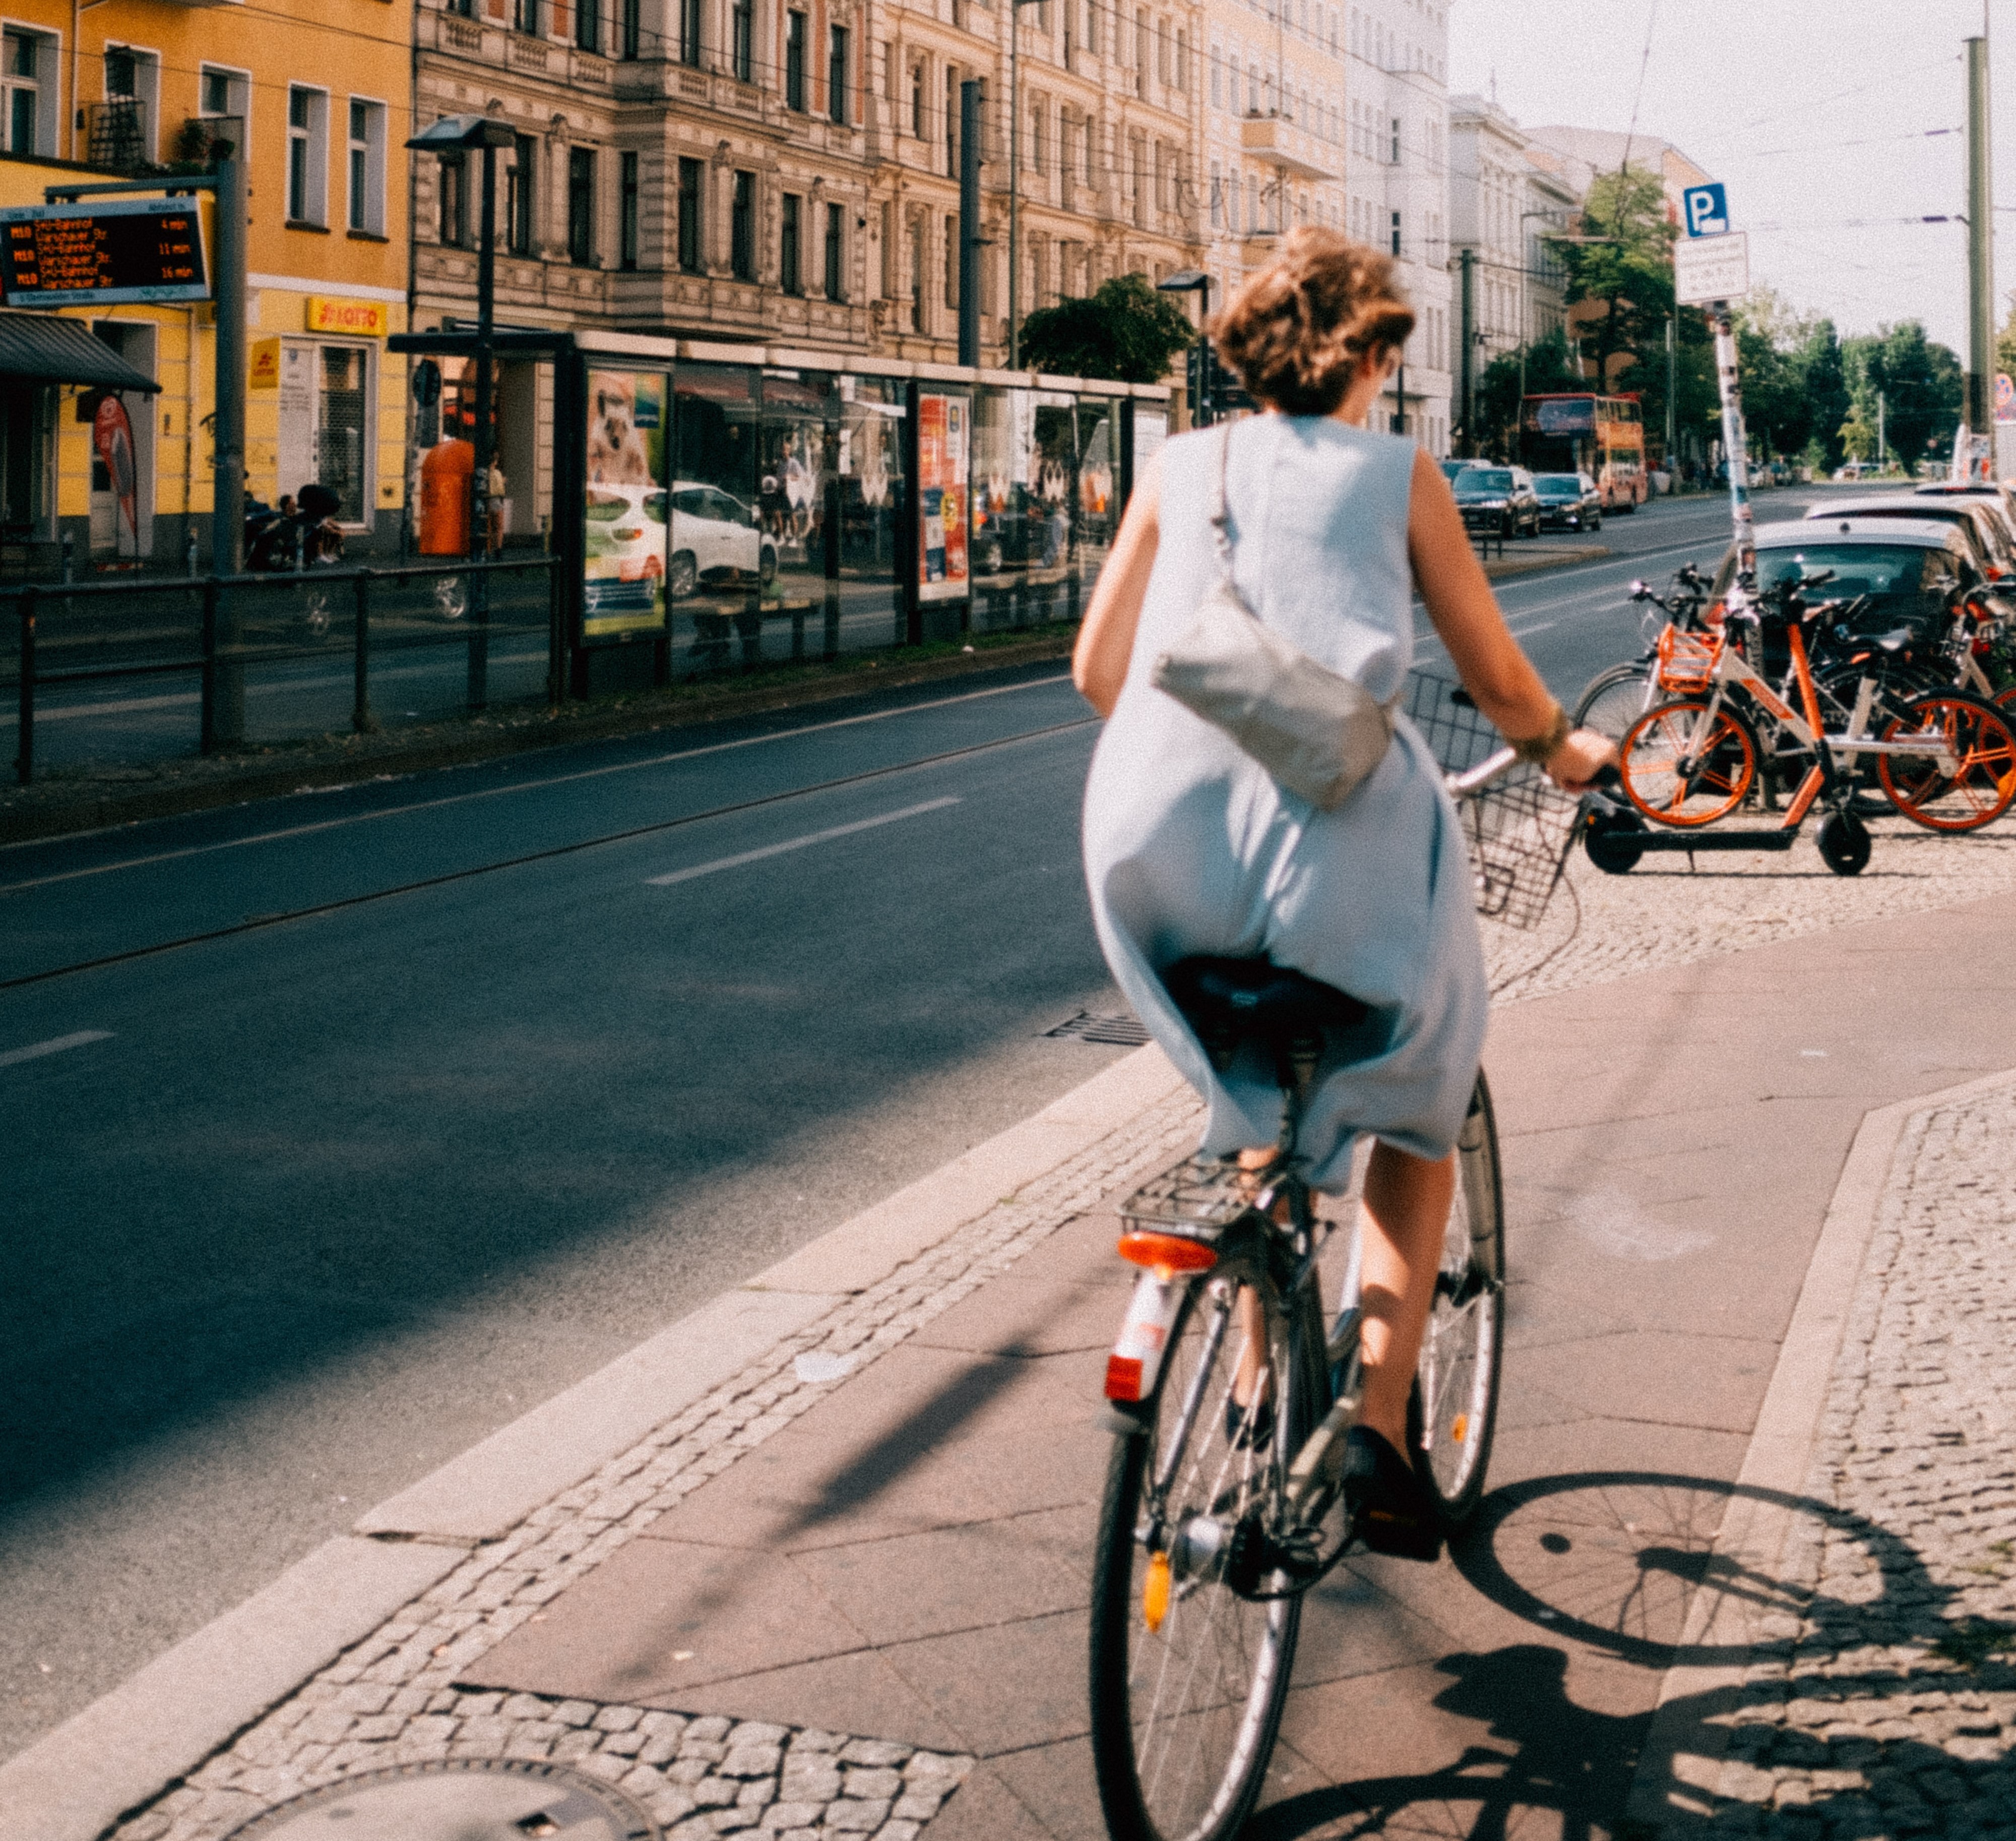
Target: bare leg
[1407,1212]
[1252,1323]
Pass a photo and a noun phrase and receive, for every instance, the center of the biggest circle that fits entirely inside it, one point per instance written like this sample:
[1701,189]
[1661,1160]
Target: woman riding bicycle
[1191,846]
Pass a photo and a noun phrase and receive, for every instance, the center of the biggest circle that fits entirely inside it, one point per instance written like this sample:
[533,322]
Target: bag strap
[1221,519]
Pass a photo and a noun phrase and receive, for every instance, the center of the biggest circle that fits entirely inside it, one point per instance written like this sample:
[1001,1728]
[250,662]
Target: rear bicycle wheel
[1454,1411]
[1613,700]
[1188,1676]
[1982,747]
[1678,771]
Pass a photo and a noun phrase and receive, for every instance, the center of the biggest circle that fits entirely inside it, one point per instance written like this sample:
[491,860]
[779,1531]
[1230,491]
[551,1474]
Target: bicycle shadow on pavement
[1856,1709]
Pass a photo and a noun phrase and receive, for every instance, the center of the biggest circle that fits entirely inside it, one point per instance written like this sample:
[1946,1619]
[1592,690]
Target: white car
[626,549]
[715,538]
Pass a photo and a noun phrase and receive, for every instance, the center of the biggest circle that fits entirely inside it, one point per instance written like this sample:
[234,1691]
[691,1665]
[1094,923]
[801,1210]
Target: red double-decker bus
[1575,431]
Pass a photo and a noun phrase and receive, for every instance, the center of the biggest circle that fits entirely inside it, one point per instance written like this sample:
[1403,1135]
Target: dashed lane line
[791,843]
[56,1045]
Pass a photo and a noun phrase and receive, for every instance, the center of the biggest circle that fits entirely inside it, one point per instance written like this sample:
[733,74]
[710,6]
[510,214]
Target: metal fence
[274,657]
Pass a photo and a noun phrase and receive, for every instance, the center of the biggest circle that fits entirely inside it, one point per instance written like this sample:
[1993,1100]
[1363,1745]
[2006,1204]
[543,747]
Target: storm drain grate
[459,1799]
[1114,1032]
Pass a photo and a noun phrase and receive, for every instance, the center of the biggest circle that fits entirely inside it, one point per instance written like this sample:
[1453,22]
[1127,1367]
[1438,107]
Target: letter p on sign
[1707,208]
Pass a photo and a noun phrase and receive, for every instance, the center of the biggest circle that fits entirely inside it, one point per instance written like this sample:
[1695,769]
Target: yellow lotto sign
[264,372]
[369,319]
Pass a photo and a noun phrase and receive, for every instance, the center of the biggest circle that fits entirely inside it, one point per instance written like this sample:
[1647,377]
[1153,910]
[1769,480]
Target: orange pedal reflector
[1167,1252]
[1155,1592]
[1123,1377]
[1461,1426]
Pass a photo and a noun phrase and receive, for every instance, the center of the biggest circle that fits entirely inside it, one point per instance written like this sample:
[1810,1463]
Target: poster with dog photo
[943,436]
[625,551]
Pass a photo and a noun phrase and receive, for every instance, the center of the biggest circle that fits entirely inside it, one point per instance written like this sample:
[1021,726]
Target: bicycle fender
[1135,1363]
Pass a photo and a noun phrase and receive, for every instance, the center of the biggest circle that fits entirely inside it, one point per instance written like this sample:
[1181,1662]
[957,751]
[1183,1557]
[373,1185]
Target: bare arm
[1106,640]
[1493,669]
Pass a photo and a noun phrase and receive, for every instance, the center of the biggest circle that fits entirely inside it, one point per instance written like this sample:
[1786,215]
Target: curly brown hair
[1296,331]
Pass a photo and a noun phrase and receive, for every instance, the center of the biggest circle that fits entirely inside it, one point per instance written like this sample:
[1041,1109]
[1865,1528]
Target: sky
[1820,116]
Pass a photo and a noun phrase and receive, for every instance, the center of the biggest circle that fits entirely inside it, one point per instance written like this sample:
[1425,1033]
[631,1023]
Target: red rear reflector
[1167,1252]
[1123,1377]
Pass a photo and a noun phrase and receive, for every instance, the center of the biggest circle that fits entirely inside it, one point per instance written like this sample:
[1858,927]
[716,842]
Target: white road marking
[56,1045]
[832,831]
[527,785]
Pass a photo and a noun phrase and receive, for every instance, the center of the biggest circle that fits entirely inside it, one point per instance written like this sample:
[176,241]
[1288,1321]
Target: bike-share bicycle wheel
[1188,1675]
[1982,750]
[1454,1410]
[1679,770]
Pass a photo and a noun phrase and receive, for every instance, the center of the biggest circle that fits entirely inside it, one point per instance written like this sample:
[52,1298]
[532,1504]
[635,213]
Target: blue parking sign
[1707,210]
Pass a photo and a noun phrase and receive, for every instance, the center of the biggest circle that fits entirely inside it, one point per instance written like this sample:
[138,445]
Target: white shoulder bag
[1319,734]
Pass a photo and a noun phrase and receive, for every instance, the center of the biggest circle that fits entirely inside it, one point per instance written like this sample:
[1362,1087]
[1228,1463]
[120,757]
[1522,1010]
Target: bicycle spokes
[1971,782]
[1687,763]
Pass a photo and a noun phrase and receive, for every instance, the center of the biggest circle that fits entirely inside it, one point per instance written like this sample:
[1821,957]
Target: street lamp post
[1195,281]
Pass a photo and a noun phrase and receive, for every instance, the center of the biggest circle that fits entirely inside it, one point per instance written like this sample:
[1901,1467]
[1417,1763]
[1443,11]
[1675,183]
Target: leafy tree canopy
[1919,382]
[1627,268]
[1126,331]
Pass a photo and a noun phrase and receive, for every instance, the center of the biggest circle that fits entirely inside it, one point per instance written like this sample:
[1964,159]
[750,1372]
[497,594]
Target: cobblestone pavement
[392,1699]
[1881,1699]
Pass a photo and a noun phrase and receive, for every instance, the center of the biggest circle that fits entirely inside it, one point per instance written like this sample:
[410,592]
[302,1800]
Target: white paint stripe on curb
[77,1781]
[1681,1762]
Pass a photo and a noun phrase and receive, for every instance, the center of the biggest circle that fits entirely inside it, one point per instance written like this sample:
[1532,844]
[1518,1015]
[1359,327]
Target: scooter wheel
[1844,842]
[1612,840]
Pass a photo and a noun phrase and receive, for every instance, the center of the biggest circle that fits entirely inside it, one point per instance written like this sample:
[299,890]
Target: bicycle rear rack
[1201,1198]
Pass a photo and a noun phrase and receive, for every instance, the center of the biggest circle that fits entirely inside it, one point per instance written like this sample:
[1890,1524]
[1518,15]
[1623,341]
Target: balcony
[1277,140]
[115,135]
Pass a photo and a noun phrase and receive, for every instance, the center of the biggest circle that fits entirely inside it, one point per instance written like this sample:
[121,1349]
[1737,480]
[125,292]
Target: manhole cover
[1118,1031]
[466,1799]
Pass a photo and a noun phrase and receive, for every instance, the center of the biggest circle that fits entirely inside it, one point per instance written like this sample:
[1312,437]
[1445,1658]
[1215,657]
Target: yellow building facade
[315,94]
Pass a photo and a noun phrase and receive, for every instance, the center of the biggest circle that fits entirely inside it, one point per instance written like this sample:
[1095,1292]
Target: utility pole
[1980,243]
[1467,262]
[227,539]
[969,222]
[1672,390]
[1882,450]
[1735,443]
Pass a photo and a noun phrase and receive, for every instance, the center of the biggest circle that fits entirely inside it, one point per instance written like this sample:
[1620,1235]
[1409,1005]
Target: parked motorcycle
[296,537]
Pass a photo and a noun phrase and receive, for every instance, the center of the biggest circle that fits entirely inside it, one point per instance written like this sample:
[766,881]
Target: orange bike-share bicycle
[1945,758]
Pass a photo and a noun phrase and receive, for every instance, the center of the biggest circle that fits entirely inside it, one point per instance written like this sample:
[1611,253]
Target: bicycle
[1619,694]
[1216,1516]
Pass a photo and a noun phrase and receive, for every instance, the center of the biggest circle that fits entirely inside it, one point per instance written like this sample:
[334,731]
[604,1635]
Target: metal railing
[218,628]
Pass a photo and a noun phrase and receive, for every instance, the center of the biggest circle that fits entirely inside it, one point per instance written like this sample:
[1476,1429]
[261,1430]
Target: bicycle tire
[1983,737]
[1659,738]
[1613,700]
[1184,1716]
[1452,1413]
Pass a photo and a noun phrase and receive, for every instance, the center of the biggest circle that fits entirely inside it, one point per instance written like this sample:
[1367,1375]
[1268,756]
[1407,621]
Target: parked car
[625,538]
[716,538]
[1987,540]
[1568,502]
[1452,468]
[1499,499]
[1904,566]
[2000,500]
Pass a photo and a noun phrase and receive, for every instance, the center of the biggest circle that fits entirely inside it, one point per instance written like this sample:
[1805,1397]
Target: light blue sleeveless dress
[1191,847]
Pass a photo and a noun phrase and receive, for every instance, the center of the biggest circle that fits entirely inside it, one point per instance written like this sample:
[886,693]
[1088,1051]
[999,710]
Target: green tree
[1919,382]
[1824,378]
[1548,366]
[1126,332]
[1628,268]
[1856,437]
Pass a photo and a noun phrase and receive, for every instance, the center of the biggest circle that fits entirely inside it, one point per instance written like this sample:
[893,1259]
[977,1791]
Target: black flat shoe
[1390,1511]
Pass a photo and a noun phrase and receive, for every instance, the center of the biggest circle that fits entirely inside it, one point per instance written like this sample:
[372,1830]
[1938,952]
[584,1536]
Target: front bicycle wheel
[1454,1411]
[1682,768]
[1189,1676]
[1614,699]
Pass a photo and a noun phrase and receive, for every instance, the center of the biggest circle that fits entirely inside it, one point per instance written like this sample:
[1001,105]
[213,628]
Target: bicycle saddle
[1228,1001]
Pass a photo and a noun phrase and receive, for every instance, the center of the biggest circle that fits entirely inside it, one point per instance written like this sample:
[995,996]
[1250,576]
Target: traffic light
[1214,392]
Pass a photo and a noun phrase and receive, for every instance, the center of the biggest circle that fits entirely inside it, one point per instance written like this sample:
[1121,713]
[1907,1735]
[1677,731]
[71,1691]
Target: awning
[36,348]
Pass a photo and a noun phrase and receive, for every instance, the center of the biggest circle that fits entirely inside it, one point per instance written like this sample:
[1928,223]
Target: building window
[630,29]
[1141,54]
[834,290]
[518,196]
[742,34]
[952,264]
[627,224]
[1092,11]
[525,15]
[324,424]
[580,207]
[690,197]
[307,155]
[1217,78]
[1396,233]
[1395,150]
[588,24]
[1036,136]
[1217,195]
[794,61]
[123,127]
[367,123]
[690,32]
[741,229]
[454,202]
[917,100]
[836,75]
[461,9]
[791,231]
[952,122]
[917,234]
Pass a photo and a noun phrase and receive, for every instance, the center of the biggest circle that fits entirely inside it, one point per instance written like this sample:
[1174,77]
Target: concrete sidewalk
[839,1584]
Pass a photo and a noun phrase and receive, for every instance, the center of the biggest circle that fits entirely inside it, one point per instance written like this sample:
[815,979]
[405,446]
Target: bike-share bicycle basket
[1687,660]
[1518,828]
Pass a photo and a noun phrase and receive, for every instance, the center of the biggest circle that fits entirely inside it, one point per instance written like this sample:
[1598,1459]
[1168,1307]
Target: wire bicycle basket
[1518,827]
[1688,661]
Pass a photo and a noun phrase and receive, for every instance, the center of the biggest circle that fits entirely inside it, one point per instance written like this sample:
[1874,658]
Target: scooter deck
[1691,841]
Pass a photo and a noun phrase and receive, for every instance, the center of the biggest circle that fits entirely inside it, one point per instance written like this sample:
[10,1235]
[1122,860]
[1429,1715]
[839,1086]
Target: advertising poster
[944,434]
[624,565]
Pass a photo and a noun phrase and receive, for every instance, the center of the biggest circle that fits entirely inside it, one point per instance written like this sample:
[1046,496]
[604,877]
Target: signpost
[1711,268]
[122,250]
[1706,209]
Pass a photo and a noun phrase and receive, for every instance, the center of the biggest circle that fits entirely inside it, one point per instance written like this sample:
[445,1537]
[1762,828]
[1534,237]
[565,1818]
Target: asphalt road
[345,1128]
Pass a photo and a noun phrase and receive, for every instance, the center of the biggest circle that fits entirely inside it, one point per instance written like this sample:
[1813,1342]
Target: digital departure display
[73,255]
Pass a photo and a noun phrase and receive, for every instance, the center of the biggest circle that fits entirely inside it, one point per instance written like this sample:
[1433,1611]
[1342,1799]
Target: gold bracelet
[1539,749]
